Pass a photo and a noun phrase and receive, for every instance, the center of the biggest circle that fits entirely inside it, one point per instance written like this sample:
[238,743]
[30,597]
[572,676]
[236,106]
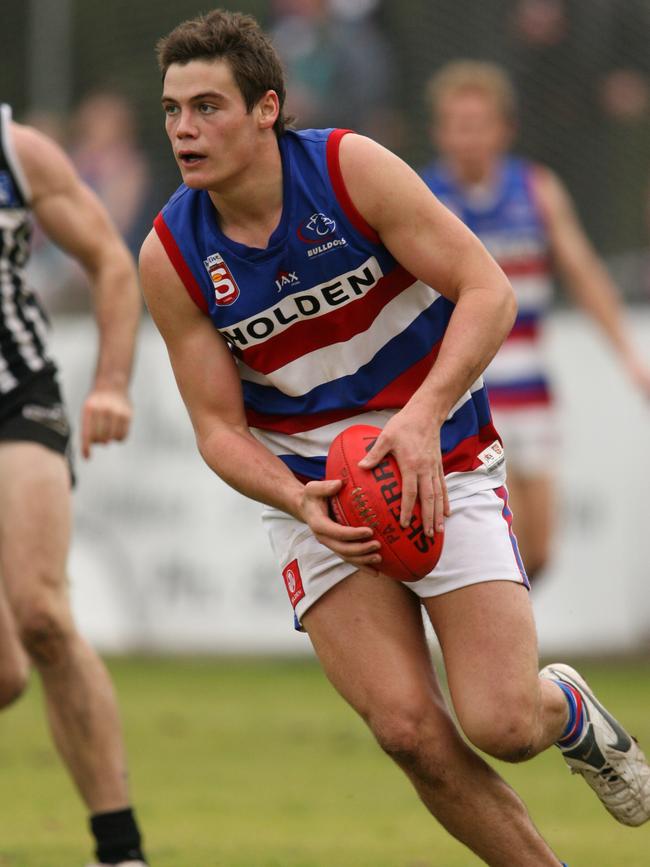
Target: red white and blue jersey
[327,328]
[508,221]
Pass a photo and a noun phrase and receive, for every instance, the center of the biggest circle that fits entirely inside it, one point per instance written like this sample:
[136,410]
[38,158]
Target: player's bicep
[75,219]
[421,233]
[203,365]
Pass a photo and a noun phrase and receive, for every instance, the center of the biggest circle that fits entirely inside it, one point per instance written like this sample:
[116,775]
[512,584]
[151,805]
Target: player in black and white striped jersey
[36,626]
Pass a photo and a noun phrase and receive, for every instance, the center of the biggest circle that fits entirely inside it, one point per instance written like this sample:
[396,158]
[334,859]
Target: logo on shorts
[226,290]
[53,417]
[293,582]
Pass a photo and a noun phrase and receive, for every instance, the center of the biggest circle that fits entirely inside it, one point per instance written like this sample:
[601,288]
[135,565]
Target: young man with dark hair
[290,277]
[36,626]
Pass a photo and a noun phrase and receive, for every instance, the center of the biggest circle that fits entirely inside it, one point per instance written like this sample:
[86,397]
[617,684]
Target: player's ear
[268,109]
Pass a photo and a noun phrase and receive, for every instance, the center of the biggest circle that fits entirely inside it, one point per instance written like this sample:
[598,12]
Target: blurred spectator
[106,154]
[524,216]
[339,66]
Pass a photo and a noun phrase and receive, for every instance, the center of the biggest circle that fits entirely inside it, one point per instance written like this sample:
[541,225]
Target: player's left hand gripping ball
[373,498]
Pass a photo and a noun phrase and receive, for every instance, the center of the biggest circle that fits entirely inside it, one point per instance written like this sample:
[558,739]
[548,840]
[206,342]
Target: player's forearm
[250,468]
[481,321]
[117,307]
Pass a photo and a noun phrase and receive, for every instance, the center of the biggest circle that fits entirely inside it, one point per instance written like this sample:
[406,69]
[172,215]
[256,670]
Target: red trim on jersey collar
[340,190]
[182,268]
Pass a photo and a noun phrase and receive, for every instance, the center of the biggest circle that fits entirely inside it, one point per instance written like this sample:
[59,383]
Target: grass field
[258,763]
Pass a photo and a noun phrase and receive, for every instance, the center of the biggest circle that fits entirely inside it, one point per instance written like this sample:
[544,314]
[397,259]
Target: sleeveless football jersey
[23,324]
[510,225]
[327,328]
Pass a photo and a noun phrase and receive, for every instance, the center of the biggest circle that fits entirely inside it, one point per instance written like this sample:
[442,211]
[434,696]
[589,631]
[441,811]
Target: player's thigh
[369,637]
[489,643]
[35,520]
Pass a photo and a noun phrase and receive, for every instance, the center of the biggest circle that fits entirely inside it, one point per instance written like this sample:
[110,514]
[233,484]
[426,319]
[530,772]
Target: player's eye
[207,108]
[170,109]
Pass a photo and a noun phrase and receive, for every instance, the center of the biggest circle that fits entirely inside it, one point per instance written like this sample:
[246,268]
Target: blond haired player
[524,216]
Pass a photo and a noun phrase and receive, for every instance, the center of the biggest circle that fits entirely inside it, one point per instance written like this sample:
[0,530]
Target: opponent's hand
[357,545]
[106,416]
[414,441]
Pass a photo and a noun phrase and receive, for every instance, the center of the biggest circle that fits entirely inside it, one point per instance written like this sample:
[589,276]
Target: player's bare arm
[74,218]
[584,274]
[216,408]
[434,246]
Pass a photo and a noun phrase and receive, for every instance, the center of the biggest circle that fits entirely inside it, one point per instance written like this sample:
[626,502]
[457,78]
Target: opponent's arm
[584,274]
[74,218]
[210,386]
[434,246]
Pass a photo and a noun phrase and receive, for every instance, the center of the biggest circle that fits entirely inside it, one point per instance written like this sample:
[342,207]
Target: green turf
[248,763]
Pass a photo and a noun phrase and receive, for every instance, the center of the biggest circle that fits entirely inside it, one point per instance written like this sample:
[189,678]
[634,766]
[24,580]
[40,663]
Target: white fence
[166,557]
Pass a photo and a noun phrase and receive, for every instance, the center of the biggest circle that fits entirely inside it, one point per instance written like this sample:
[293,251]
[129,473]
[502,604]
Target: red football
[374,498]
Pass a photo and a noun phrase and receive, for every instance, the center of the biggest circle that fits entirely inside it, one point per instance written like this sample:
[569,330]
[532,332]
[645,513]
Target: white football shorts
[479,546]
[530,438]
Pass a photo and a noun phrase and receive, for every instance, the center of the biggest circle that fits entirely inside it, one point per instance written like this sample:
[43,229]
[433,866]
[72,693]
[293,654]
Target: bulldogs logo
[316,229]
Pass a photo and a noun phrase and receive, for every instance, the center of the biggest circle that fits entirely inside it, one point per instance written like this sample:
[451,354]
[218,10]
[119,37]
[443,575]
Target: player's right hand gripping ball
[373,498]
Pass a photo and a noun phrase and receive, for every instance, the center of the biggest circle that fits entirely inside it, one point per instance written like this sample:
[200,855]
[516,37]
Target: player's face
[472,133]
[212,134]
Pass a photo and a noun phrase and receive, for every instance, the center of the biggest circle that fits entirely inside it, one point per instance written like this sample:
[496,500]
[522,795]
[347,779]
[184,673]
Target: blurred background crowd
[85,72]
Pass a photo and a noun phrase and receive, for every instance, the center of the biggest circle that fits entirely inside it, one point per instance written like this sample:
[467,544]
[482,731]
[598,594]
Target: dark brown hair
[236,38]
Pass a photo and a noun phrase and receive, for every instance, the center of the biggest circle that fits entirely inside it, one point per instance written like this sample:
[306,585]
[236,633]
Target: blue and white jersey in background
[508,221]
[327,328]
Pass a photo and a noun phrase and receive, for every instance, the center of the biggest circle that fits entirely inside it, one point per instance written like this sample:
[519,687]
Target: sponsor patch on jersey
[493,456]
[285,279]
[226,290]
[293,582]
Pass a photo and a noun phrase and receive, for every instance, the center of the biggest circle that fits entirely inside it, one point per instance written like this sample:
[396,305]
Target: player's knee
[12,684]
[507,736]
[45,636]
[403,734]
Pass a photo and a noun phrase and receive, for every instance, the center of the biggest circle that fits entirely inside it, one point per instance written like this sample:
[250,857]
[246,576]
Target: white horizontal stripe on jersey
[315,443]
[344,359]
[517,359]
[506,246]
[533,291]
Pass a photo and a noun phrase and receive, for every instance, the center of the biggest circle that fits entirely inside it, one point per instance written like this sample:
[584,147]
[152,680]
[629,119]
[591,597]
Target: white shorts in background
[479,546]
[530,439]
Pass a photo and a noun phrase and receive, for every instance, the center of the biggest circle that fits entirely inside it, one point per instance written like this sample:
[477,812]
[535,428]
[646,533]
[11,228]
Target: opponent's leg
[532,500]
[369,637]
[34,538]
[14,664]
